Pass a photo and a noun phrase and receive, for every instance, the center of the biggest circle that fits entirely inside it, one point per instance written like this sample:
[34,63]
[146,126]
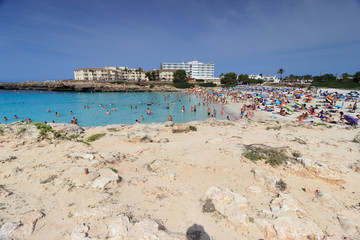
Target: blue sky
[53,37]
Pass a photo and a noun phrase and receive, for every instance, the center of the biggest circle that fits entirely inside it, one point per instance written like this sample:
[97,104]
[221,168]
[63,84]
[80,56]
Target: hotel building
[110,74]
[194,69]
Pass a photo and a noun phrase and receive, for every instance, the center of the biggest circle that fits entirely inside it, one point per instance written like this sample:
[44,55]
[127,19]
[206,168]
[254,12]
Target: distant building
[162,74]
[110,74]
[266,78]
[194,69]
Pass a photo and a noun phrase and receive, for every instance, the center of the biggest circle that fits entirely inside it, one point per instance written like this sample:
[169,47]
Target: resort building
[194,69]
[160,75]
[110,74]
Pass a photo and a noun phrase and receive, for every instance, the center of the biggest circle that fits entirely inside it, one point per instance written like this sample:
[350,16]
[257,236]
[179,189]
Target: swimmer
[195,108]
[222,111]
[114,109]
[100,105]
[142,118]
[5,119]
[57,114]
[107,112]
[131,108]
[214,112]
[208,112]
[16,117]
[170,118]
[71,112]
[48,110]
[183,109]
[29,121]
[228,118]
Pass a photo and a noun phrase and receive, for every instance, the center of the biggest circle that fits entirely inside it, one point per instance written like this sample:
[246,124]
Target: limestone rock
[357,138]
[118,227]
[254,189]
[350,227]
[355,166]
[7,229]
[229,204]
[139,137]
[66,129]
[106,176]
[80,232]
[163,140]
[284,204]
[180,128]
[214,140]
[4,193]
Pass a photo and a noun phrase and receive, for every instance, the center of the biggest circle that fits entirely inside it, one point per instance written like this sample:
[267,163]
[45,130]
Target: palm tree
[281,71]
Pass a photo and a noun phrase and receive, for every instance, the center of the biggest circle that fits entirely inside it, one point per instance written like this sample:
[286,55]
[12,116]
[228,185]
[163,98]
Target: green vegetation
[117,82]
[153,75]
[152,85]
[229,79]
[208,206]
[272,156]
[184,85]
[281,71]
[296,154]
[113,129]
[95,137]
[199,80]
[274,128]
[208,84]
[180,76]
[281,185]
[45,129]
[1,130]
[113,169]
[346,81]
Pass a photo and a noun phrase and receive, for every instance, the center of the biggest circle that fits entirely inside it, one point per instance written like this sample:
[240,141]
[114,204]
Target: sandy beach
[182,181]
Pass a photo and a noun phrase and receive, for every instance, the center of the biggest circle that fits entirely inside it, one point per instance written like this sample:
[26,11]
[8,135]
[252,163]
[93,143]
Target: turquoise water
[34,105]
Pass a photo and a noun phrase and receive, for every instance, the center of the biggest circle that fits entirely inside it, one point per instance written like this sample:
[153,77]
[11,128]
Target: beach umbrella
[257,97]
[337,106]
[351,120]
[298,103]
[288,107]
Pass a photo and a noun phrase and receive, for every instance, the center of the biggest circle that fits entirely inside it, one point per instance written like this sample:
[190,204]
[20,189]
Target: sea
[129,107]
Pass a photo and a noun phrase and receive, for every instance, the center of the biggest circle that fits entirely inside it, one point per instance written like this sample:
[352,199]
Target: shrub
[184,85]
[208,84]
[1,130]
[152,85]
[208,206]
[113,129]
[281,185]
[95,137]
[272,156]
[45,129]
[113,169]
[117,82]
[199,80]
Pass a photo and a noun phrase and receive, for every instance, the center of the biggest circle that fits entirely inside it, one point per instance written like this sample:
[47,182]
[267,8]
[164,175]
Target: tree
[180,76]
[229,79]
[357,77]
[281,71]
[243,78]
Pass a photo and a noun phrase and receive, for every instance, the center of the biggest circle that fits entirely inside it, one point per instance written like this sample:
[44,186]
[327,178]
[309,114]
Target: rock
[214,140]
[326,199]
[163,140]
[89,156]
[100,212]
[320,170]
[118,227]
[229,204]
[5,159]
[139,137]
[265,177]
[7,229]
[355,166]
[80,232]
[215,122]
[29,222]
[197,232]
[66,129]
[290,227]
[350,227]
[357,138]
[106,176]
[284,204]
[254,189]
[4,193]
[180,128]
[22,130]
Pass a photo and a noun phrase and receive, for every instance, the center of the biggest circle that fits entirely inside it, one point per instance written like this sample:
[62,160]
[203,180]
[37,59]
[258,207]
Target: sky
[50,38]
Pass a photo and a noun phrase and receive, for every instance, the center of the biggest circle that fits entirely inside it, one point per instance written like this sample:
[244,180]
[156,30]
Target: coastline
[87,86]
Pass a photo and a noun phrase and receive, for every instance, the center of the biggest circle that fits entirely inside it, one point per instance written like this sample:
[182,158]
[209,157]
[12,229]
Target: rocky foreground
[202,180]
[86,86]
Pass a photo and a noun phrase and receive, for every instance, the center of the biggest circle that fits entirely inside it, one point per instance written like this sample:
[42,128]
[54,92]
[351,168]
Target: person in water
[170,118]
[16,117]
[142,118]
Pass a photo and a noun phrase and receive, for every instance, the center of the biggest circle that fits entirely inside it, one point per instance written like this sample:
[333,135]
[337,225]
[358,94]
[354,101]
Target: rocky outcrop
[229,204]
[85,86]
[180,128]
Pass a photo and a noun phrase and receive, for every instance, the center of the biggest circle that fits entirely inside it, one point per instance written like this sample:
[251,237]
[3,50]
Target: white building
[194,69]
[266,78]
